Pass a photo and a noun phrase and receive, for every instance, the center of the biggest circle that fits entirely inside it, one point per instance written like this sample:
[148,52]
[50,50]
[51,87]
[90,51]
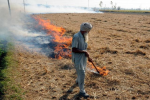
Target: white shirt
[79,59]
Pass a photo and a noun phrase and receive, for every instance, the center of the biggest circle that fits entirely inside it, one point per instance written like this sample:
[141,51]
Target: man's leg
[80,79]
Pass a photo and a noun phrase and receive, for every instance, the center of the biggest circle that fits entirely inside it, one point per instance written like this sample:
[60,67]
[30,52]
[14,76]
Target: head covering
[85,27]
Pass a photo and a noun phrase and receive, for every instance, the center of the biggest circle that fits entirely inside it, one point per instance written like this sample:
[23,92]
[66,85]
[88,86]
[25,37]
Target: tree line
[113,5]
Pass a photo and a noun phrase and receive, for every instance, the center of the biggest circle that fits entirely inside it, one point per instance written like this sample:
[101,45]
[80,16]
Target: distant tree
[118,8]
[115,6]
[100,4]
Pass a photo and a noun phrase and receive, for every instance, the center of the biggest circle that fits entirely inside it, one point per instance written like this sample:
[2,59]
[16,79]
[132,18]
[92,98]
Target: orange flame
[63,42]
[102,71]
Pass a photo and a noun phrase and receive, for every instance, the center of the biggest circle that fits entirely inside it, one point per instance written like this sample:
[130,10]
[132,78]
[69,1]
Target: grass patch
[9,89]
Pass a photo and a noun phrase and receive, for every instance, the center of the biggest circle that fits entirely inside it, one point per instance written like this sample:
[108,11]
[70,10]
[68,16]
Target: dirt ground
[121,42]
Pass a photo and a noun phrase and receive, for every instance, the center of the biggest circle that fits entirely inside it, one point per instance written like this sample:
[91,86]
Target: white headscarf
[85,27]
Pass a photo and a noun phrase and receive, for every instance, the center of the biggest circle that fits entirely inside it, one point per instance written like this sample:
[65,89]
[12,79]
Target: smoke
[14,25]
[4,20]
[40,8]
[22,27]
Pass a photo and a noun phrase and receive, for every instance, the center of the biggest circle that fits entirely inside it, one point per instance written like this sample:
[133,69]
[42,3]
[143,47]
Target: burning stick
[95,66]
[102,71]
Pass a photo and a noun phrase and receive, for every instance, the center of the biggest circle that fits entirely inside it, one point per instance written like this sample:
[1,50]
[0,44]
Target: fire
[102,71]
[62,42]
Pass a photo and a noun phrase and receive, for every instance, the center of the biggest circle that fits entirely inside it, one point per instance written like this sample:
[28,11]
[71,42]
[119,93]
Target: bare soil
[121,42]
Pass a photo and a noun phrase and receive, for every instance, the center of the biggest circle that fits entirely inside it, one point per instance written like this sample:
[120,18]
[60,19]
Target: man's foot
[85,95]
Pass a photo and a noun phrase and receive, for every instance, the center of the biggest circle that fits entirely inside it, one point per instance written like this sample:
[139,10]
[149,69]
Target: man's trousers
[80,78]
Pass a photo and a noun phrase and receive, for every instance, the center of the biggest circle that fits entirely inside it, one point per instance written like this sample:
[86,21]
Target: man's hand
[90,60]
[87,54]
[76,50]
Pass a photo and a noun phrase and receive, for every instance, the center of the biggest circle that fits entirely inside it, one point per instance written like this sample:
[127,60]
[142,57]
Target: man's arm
[76,50]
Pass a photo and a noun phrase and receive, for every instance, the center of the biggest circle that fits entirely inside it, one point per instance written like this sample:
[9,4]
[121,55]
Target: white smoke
[20,25]
[39,7]
[57,9]
[12,25]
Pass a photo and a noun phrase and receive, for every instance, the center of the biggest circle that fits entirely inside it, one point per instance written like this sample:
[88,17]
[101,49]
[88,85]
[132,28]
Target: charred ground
[121,42]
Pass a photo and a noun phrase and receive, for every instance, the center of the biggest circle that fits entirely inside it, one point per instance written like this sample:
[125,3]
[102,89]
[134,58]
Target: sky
[62,5]
[90,3]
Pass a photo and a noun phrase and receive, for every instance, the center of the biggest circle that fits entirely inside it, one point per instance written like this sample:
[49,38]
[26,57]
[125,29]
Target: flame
[102,71]
[62,42]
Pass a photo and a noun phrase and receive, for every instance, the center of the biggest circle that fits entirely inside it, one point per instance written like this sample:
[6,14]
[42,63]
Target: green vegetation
[9,90]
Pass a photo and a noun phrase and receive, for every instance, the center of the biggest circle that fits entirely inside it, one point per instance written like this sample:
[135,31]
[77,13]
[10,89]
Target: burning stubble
[50,39]
[62,43]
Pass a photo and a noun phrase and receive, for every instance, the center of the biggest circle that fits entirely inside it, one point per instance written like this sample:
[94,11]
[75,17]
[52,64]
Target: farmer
[80,55]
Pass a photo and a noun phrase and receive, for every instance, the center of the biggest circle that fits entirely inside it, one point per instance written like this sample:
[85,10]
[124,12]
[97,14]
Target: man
[80,55]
